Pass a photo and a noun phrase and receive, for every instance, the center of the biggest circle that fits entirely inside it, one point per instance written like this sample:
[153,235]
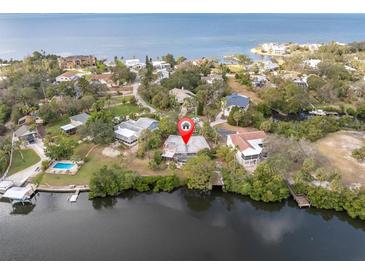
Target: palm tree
[17,145]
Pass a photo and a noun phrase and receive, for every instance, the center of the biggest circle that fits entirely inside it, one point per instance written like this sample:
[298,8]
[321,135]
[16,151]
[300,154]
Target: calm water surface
[181,225]
[191,35]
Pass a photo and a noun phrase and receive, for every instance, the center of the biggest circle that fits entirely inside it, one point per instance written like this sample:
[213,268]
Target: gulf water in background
[191,35]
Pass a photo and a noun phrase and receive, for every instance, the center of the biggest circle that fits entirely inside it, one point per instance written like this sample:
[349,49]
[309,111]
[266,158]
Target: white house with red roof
[67,76]
[249,146]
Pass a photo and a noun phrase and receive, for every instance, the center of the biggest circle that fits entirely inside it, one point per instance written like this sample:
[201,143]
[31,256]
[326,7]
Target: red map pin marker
[186,128]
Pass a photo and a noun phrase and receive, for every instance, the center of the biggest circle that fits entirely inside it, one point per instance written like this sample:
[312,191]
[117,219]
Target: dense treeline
[311,129]
[110,181]
[341,200]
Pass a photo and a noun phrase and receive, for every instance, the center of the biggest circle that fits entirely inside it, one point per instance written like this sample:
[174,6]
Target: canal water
[182,225]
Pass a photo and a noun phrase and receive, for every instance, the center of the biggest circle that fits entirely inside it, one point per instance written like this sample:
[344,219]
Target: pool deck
[72,171]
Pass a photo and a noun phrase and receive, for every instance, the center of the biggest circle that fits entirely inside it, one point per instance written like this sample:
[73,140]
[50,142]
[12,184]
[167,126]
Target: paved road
[218,120]
[139,98]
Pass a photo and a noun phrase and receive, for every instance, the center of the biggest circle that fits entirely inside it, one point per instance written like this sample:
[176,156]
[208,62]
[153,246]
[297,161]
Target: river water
[181,225]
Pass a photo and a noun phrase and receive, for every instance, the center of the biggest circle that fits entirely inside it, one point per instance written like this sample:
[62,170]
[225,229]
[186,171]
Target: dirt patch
[337,148]
[237,87]
[111,152]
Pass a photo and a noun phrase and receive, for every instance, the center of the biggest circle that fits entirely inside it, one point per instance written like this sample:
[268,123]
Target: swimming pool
[64,165]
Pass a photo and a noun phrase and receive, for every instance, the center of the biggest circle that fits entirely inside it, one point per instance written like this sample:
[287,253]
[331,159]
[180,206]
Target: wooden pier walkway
[74,197]
[301,200]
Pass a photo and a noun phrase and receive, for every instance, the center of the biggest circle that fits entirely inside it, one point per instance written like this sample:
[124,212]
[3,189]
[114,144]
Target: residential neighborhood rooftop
[237,100]
[174,144]
[248,142]
[82,117]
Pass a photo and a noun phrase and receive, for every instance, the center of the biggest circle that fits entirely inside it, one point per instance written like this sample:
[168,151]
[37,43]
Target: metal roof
[82,117]
[237,100]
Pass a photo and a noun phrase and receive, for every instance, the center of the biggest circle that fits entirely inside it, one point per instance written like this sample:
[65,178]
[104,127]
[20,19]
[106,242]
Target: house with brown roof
[106,79]
[249,146]
[77,61]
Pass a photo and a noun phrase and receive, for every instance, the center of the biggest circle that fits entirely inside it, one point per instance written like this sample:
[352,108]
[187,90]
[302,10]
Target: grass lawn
[126,109]
[95,162]
[18,164]
[54,128]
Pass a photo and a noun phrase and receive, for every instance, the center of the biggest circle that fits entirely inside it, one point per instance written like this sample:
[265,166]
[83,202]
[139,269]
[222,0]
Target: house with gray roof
[176,149]
[235,100]
[25,134]
[181,94]
[75,121]
[129,131]
[79,119]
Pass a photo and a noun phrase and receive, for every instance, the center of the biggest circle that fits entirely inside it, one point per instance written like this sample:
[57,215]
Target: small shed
[69,129]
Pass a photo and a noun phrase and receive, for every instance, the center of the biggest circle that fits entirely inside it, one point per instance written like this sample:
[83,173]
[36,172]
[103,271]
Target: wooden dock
[301,200]
[74,197]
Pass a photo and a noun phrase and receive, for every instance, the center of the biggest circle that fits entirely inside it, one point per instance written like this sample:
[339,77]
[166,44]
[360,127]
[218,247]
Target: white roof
[18,193]
[135,127]
[125,132]
[255,148]
[68,127]
[132,62]
[4,185]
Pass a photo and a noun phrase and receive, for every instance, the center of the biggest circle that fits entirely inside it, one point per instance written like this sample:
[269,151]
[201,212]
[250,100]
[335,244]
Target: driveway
[21,177]
[218,120]
[139,98]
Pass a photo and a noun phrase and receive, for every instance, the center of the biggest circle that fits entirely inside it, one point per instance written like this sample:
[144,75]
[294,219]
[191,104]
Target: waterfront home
[175,148]
[75,121]
[181,94]
[249,146]
[211,78]
[77,61]
[105,79]
[274,48]
[129,131]
[67,77]
[312,63]
[235,100]
[258,81]
[25,134]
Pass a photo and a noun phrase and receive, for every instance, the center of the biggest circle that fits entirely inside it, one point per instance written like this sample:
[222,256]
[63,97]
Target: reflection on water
[107,202]
[185,225]
[22,209]
[272,230]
